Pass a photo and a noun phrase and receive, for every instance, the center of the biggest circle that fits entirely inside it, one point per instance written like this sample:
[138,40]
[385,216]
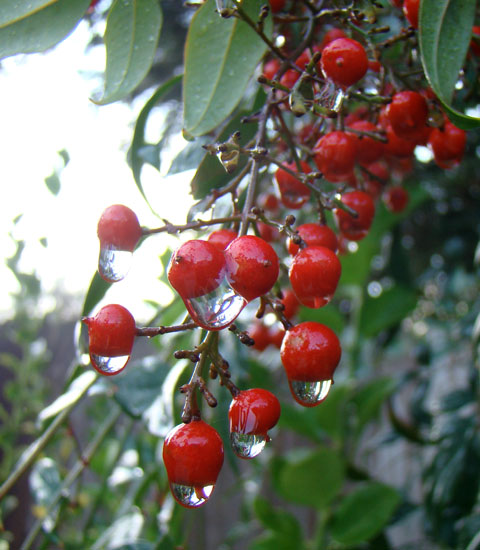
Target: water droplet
[191,497]
[330,97]
[247,445]
[216,310]
[114,264]
[109,365]
[309,394]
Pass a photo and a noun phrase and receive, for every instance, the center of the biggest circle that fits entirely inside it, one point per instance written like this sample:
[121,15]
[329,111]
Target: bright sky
[46,108]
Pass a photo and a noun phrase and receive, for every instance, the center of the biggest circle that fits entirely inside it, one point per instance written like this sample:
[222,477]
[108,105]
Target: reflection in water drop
[310,394]
[109,365]
[114,264]
[191,497]
[247,445]
[216,310]
[330,97]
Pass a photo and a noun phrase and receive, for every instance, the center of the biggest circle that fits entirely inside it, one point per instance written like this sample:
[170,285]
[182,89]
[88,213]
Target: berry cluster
[362,126]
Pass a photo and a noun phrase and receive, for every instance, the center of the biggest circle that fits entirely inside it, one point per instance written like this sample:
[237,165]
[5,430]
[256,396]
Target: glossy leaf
[445,28]
[138,141]
[220,57]
[364,513]
[313,479]
[370,398]
[387,310]
[131,37]
[189,157]
[35,26]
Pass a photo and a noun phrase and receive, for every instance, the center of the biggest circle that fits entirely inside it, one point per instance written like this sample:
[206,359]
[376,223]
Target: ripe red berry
[314,275]
[252,413]
[368,149]
[344,61]
[410,10]
[111,334]
[375,176]
[252,266]
[289,78]
[290,303]
[314,234]
[474,43]
[221,238]
[407,114]
[118,228]
[310,354]
[397,146]
[335,155]
[293,193]
[355,229]
[260,335]
[396,198]
[448,144]
[271,68]
[330,36]
[277,5]
[193,458]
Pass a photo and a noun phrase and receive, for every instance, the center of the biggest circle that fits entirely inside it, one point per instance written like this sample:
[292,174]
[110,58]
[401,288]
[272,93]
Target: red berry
[335,155]
[277,5]
[289,78]
[196,268]
[314,275]
[314,234]
[267,232]
[397,146]
[344,61]
[303,59]
[118,228]
[252,266]
[293,193]
[271,68]
[410,10]
[277,336]
[355,229]
[221,238]
[448,144]
[330,36]
[310,354]
[111,334]
[193,457]
[474,43]
[260,334]
[375,175]
[252,413]
[290,303]
[269,202]
[396,199]
[368,149]
[407,114]
[374,65]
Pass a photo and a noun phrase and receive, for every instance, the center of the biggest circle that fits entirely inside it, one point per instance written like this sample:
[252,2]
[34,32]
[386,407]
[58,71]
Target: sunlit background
[46,108]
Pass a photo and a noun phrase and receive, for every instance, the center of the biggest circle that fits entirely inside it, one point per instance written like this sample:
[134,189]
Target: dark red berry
[410,10]
[407,114]
[368,149]
[356,228]
[448,144]
[396,199]
[293,193]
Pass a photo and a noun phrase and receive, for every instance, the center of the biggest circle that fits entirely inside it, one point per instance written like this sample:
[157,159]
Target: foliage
[335,476]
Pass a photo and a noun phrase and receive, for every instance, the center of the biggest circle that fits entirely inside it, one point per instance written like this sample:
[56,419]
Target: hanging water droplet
[310,394]
[109,365]
[191,497]
[247,445]
[330,97]
[217,309]
[114,264]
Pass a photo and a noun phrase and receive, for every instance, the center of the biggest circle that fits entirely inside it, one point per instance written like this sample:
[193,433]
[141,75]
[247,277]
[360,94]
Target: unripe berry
[193,457]
[344,61]
[355,229]
[252,413]
[111,334]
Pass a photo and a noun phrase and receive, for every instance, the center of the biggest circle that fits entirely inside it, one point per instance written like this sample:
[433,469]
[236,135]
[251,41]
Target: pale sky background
[45,107]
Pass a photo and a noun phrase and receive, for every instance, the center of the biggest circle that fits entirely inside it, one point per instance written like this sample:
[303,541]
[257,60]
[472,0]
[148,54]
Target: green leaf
[131,37]
[313,479]
[189,157]
[220,57]
[387,310]
[140,545]
[364,513]
[278,520]
[138,141]
[53,183]
[445,29]
[45,481]
[96,291]
[35,26]
[370,398]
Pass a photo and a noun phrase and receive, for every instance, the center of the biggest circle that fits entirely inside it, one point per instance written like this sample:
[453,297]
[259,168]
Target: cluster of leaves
[428,301]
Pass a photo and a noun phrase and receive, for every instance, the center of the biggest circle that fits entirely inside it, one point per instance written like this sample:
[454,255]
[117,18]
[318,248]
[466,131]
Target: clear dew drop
[310,393]
[216,310]
[330,97]
[109,365]
[114,264]
[191,497]
[247,445]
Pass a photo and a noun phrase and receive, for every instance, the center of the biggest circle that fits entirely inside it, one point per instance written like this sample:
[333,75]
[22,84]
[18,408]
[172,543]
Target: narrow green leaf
[364,513]
[96,291]
[53,183]
[138,141]
[387,310]
[131,37]
[35,26]
[314,479]
[445,29]
[220,57]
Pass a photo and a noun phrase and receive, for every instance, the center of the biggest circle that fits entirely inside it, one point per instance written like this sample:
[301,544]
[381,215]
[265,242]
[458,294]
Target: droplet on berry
[197,271]
[119,232]
[309,394]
